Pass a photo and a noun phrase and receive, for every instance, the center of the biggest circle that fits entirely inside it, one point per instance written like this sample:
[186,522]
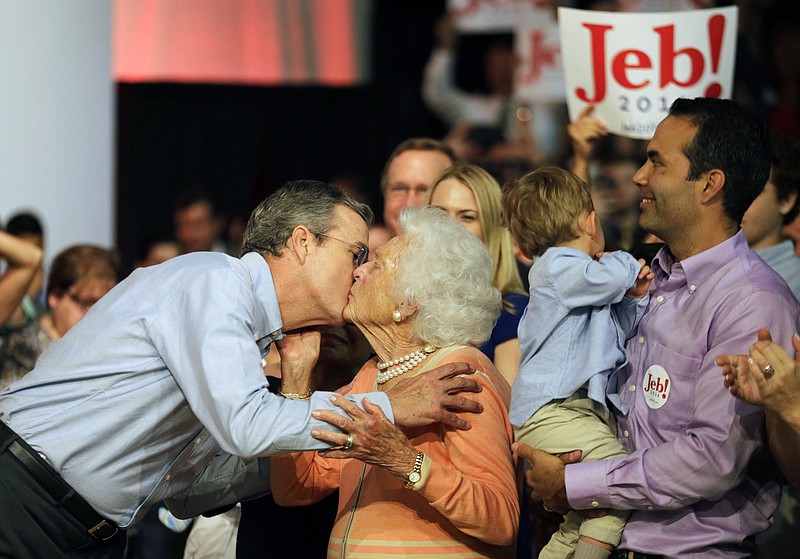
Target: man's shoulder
[198,264]
[749,296]
[188,272]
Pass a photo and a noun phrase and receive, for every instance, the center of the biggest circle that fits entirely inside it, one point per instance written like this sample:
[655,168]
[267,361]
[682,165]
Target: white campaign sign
[488,16]
[632,66]
[540,76]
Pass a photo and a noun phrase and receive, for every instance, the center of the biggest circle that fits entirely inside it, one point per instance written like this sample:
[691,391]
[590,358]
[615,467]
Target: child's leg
[601,533]
[577,423]
[562,543]
[549,429]
[598,536]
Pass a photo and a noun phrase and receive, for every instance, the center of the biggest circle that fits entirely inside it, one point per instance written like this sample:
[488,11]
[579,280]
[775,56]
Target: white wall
[56,118]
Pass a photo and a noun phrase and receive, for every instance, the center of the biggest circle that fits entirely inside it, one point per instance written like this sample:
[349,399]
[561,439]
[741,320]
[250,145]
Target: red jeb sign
[633,65]
[635,59]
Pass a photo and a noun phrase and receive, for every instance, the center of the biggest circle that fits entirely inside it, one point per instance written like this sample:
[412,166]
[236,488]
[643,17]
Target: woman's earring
[396,316]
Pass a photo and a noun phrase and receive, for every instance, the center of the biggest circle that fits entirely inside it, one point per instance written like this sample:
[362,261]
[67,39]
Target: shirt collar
[700,267]
[267,327]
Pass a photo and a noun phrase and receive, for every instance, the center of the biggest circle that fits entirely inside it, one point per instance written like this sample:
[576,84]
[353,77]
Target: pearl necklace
[402,364]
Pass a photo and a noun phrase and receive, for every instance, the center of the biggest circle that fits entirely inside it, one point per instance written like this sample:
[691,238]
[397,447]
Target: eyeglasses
[360,250]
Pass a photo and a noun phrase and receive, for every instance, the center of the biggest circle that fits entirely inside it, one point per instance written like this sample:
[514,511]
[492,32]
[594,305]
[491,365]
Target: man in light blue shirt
[165,372]
[776,206]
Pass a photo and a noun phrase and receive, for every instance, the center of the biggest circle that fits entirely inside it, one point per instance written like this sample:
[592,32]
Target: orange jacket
[469,504]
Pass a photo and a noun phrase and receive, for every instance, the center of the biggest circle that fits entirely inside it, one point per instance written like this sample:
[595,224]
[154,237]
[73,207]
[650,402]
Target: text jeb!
[656,385]
[629,67]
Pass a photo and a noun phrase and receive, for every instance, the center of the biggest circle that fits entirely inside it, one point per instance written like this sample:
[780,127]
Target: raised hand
[299,351]
[583,132]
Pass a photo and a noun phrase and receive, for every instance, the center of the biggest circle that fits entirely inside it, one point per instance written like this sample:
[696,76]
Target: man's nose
[640,176]
[416,198]
[359,271]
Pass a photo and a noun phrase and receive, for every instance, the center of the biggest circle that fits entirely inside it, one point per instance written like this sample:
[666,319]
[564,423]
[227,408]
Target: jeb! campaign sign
[539,77]
[633,66]
[485,16]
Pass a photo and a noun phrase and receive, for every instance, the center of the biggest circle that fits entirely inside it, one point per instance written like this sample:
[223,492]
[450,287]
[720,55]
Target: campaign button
[656,386]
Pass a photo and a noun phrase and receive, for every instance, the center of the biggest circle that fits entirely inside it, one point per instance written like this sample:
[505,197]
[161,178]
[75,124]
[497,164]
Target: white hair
[447,273]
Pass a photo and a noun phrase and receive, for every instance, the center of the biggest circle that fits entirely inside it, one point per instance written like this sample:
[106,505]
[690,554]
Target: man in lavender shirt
[698,478]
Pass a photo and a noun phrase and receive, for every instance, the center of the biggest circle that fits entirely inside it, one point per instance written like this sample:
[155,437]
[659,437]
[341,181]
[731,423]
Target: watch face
[414,477]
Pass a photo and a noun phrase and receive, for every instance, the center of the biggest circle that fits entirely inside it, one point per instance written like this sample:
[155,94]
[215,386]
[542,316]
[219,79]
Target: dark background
[241,142]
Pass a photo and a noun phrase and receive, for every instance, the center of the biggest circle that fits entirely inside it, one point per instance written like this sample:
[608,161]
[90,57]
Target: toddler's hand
[642,284]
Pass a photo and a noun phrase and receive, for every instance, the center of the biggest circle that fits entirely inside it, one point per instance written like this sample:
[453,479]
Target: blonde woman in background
[472,197]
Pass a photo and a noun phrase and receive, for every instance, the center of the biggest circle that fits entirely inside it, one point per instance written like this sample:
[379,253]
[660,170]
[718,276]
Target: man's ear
[715,182]
[785,205]
[300,242]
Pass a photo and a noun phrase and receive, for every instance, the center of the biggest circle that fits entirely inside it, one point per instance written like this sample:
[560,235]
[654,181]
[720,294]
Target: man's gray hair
[447,273]
[302,202]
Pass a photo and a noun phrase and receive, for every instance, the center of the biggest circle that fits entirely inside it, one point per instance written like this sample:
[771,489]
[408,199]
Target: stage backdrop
[237,131]
[259,42]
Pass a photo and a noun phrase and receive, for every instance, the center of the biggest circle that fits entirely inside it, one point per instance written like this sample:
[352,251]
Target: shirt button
[692,287]
[632,388]
[641,339]
[625,434]
[196,442]
[168,477]
[595,504]
[649,508]
[660,298]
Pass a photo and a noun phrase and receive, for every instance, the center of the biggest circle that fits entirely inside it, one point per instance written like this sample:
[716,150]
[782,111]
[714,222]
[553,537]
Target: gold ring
[768,370]
[349,444]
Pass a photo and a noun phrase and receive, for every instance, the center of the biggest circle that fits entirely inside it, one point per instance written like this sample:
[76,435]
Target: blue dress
[506,327]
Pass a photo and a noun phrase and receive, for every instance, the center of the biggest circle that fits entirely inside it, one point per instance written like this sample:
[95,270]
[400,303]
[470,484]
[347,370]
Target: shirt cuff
[586,485]
[380,399]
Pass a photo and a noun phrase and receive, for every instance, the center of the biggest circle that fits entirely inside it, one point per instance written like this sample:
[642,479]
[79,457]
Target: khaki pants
[577,423]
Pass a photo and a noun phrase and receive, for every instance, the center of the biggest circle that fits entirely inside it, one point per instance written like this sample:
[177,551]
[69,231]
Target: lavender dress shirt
[698,477]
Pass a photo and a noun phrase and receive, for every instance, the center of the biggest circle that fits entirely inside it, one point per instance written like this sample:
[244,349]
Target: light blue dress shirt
[574,328]
[782,259]
[160,375]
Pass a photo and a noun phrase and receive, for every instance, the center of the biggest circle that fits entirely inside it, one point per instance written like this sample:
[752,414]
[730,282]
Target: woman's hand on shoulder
[435,397]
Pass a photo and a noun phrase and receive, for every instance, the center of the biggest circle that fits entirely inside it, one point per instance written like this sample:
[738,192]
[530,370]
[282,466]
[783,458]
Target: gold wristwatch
[413,477]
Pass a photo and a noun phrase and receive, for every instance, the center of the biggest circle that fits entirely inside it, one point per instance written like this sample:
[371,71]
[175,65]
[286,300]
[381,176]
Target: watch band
[413,477]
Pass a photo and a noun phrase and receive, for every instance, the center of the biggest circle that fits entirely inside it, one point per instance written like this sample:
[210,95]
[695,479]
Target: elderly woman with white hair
[427,299]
